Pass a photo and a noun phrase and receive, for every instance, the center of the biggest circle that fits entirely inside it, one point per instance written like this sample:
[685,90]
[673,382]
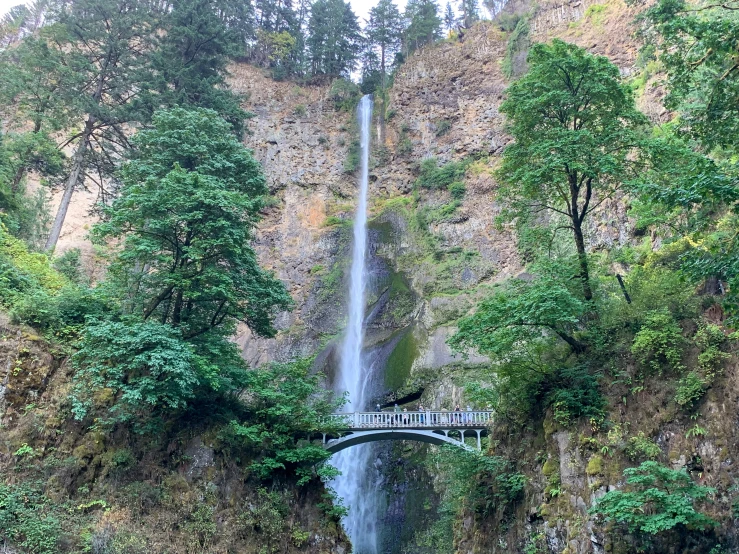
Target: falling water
[355,485]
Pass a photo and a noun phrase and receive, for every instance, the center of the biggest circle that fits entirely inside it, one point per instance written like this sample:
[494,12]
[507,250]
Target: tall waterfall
[355,485]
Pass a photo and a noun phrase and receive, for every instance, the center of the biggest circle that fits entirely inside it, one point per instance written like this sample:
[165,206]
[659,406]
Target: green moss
[401,359]
[596,13]
[595,465]
[550,467]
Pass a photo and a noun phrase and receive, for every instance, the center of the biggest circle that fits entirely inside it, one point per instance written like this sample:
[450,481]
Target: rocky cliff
[433,256]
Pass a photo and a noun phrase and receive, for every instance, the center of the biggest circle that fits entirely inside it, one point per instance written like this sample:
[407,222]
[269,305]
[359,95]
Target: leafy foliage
[659,499]
[190,198]
[522,313]
[640,447]
[432,176]
[286,406]
[577,137]
[143,366]
[27,518]
[658,344]
[698,52]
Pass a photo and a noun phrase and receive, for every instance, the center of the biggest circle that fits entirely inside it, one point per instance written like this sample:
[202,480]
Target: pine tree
[190,58]
[33,79]
[424,24]
[104,43]
[470,12]
[334,38]
[385,31]
[450,18]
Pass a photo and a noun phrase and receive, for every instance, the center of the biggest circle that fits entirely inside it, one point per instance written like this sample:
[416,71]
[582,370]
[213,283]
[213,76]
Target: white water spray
[355,485]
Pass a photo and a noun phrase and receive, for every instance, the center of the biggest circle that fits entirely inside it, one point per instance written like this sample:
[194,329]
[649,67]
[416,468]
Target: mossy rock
[595,465]
[550,467]
[400,361]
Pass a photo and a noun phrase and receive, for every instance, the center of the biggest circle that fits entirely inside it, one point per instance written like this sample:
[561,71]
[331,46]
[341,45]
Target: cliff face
[431,260]
[431,264]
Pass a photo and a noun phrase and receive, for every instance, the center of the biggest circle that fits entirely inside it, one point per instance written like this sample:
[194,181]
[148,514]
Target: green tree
[184,220]
[34,79]
[697,47]
[577,139]
[285,408]
[423,24]
[146,364]
[188,62]
[22,20]
[384,32]
[450,18]
[699,51]
[522,313]
[102,42]
[183,274]
[334,39]
[470,12]
[659,499]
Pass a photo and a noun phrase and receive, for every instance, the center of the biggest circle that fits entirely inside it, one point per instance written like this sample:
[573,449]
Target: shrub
[659,499]
[575,393]
[507,21]
[145,366]
[69,264]
[640,447]
[432,176]
[457,190]
[405,146]
[711,339]
[286,405]
[299,110]
[690,389]
[344,95]
[351,164]
[659,342]
[442,127]
[22,271]
[27,520]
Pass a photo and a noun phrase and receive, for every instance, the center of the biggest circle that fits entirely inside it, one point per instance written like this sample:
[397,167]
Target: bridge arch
[361,437]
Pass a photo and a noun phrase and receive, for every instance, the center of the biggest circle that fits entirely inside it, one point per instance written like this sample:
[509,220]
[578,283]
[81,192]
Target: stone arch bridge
[431,427]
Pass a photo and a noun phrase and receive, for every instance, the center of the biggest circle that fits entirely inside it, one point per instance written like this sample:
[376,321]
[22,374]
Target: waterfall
[356,484]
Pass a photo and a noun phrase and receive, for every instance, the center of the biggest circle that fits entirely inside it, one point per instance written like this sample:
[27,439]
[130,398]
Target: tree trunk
[583,258]
[74,176]
[79,159]
[577,346]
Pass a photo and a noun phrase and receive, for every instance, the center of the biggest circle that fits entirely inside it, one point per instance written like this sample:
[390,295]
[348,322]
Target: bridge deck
[427,420]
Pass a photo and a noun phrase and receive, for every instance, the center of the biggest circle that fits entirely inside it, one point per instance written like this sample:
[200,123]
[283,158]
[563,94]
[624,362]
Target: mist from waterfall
[356,485]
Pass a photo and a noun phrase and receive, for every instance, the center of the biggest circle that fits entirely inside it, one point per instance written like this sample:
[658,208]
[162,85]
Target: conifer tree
[33,79]
[334,38]
[384,32]
[470,12]
[104,43]
[190,57]
[450,17]
[424,24]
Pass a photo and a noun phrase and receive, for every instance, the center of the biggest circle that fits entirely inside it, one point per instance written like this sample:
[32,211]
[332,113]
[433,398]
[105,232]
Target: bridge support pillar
[479,446]
[324,438]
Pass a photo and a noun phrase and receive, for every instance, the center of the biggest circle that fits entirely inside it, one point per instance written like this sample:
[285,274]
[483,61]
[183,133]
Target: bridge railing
[428,418]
